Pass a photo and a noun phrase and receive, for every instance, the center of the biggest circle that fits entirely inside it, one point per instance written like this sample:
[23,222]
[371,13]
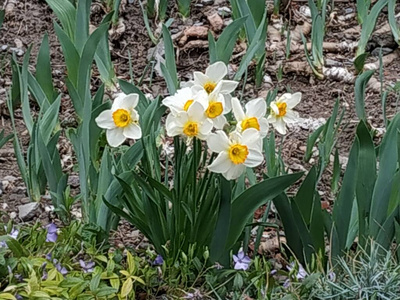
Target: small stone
[216,22]
[4,48]
[27,211]
[18,43]
[10,178]
[224,11]
[207,2]
[13,215]
[348,10]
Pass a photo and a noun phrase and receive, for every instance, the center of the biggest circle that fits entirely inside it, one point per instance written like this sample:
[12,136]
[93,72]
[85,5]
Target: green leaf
[359,62]
[221,232]
[312,139]
[66,13]
[247,202]
[2,14]
[226,41]
[392,21]
[170,64]
[305,195]
[126,288]
[49,120]
[359,93]
[4,140]
[82,24]
[43,69]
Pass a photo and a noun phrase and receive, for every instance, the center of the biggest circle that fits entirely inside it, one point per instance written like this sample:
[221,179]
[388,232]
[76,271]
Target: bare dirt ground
[31,19]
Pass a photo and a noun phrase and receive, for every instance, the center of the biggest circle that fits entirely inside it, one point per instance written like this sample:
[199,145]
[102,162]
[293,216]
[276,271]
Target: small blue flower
[18,297]
[59,267]
[241,261]
[51,233]
[158,261]
[13,234]
[87,267]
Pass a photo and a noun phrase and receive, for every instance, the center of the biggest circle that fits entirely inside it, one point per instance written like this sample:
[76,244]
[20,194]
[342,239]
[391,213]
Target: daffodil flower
[192,123]
[282,112]
[121,121]
[236,152]
[254,116]
[212,78]
[183,99]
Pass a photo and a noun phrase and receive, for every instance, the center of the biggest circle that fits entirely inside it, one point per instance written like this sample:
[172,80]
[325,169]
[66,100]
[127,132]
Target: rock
[207,2]
[1,188]
[4,48]
[27,211]
[10,178]
[18,43]
[216,22]
[224,11]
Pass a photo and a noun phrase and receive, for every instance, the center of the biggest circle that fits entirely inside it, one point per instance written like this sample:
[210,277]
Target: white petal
[228,102]
[293,100]
[196,112]
[218,141]
[291,116]
[205,129]
[227,86]
[118,101]
[173,127]
[217,71]
[274,108]
[264,126]
[221,164]
[280,126]
[130,101]
[219,122]
[133,131]
[237,110]
[105,119]
[256,108]
[254,159]
[200,78]
[251,137]
[235,171]
[115,137]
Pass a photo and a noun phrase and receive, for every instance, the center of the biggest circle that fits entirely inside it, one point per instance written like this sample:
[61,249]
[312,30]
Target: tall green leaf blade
[227,40]
[220,235]
[387,168]
[344,203]
[66,13]
[392,21]
[43,69]
[49,120]
[2,14]
[70,53]
[247,202]
[305,196]
[359,93]
[366,178]
[82,24]
[170,63]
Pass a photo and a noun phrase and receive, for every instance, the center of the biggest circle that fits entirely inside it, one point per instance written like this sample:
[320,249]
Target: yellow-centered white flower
[191,123]
[282,113]
[121,121]
[214,77]
[183,99]
[236,152]
[254,117]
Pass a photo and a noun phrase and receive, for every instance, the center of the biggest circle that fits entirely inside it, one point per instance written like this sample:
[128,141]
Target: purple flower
[301,274]
[59,267]
[242,261]
[48,256]
[51,233]
[158,261]
[194,296]
[13,234]
[332,276]
[87,267]
[18,297]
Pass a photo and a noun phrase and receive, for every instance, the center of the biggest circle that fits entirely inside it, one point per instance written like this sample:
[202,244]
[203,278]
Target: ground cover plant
[199,150]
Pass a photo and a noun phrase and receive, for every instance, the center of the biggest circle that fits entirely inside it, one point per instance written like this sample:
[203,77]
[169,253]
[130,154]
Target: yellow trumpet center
[121,117]
[282,108]
[238,153]
[191,129]
[187,104]
[214,110]
[250,123]
[209,86]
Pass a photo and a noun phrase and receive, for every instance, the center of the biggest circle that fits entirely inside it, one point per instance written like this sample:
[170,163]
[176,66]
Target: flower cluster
[199,110]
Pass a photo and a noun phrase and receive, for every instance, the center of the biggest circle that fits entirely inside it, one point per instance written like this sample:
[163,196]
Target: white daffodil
[254,116]
[183,99]
[236,152]
[212,78]
[282,113]
[192,123]
[121,121]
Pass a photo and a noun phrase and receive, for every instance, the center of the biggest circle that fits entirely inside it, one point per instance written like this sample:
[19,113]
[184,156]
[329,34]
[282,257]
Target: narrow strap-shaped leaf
[66,13]
[170,62]
[43,69]
[359,93]
[221,232]
[305,195]
[82,24]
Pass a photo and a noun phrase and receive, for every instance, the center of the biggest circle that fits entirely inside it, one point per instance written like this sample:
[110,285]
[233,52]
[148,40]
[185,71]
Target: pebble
[349,10]
[4,48]
[216,22]
[27,211]
[385,51]
[224,11]
[207,2]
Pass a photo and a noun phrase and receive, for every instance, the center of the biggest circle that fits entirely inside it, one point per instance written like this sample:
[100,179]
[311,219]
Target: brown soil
[31,19]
